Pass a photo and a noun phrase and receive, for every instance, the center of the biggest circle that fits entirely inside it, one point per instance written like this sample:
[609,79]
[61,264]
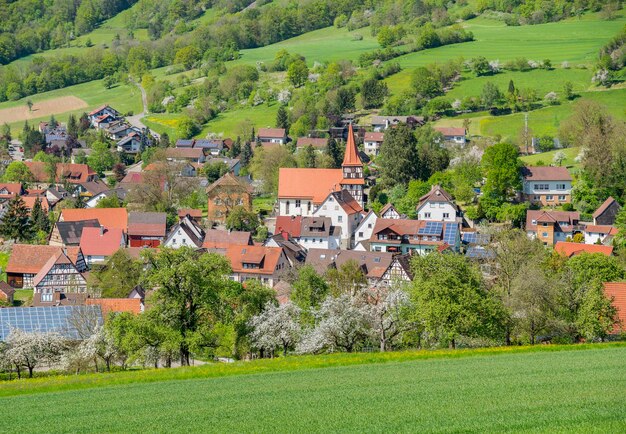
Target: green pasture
[529,390]
[125,98]
[546,158]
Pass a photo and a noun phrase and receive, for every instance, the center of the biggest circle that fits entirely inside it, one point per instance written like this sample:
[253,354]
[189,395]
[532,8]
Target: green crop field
[538,390]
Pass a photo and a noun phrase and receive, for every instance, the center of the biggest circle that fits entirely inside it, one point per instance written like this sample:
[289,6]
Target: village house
[453,135]
[606,213]
[598,234]
[213,147]
[119,192]
[103,116]
[552,226]
[112,218]
[194,214]
[546,185]
[130,143]
[437,205]
[616,292]
[185,233]
[226,193]
[11,189]
[398,272]
[372,142]
[381,123]
[257,262]
[414,236]
[91,188]
[68,234]
[27,260]
[390,212]
[181,155]
[233,164]
[301,191]
[65,172]
[363,231]
[570,249]
[295,253]
[98,244]
[320,233]
[272,135]
[146,229]
[344,213]
[221,238]
[58,275]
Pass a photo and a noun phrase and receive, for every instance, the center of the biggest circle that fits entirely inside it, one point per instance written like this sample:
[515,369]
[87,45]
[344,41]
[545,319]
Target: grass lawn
[263,203]
[226,123]
[536,389]
[546,158]
[321,45]
[124,98]
[22,296]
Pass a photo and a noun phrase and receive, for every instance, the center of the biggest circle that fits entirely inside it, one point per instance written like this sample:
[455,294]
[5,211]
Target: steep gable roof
[58,258]
[6,289]
[108,217]
[436,194]
[602,208]
[193,231]
[11,188]
[229,180]
[344,199]
[151,224]
[351,155]
[274,133]
[30,258]
[265,257]
[221,239]
[616,291]
[70,232]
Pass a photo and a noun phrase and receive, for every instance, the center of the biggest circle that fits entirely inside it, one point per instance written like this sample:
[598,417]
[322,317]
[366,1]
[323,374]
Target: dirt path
[135,120]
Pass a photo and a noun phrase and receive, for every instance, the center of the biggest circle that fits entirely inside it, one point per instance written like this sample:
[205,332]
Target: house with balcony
[414,236]
[257,262]
[552,226]
[546,185]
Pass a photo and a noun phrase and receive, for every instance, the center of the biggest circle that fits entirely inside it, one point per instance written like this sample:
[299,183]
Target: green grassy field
[538,391]
[546,158]
[124,98]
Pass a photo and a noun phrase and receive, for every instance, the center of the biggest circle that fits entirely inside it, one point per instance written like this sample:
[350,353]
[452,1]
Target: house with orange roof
[606,213]
[112,218]
[221,239]
[65,172]
[344,213]
[552,226]
[616,292]
[8,190]
[108,305]
[257,262]
[599,234]
[453,135]
[390,212]
[97,116]
[546,185]
[569,249]
[319,144]
[301,191]
[26,260]
[97,244]
[225,194]
[58,275]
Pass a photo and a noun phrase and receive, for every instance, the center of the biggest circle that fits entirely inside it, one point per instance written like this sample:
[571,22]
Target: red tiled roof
[374,137]
[290,224]
[221,239]
[315,142]
[29,201]
[74,173]
[309,184]
[13,188]
[30,258]
[571,217]
[108,217]
[93,112]
[607,203]
[572,249]
[601,229]
[351,156]
[436,194]
[193,213]
[616,291]
[6,289]
[132,305]
[274,133]
[133,178]
[193,153]
[546,173]
[57,258]
[450,131]
[147,224]
[101,241]
[266,257]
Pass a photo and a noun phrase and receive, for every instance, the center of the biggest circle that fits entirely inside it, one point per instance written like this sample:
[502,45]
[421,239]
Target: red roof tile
[315,142]
[266,257]
[221,239]
[290,224]
[101,241]
[572,249]
[108,217]
[132,305]
[450,131]
[274,133]
[30,258]
[374,137]
[74,173]
[616,291]
[308,184]
[546,173]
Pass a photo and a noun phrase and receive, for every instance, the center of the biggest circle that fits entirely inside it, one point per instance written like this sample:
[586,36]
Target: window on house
[560,186]
[340,218]
[426,215]
[446,215]
[544,234]
[287,207]
[360,234]
[298,203]
[369,226]
[549,197]
[561,197]
[544,224]
[534,222]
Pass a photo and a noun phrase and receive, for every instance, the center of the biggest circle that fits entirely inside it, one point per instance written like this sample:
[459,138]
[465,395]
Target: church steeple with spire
[352,168]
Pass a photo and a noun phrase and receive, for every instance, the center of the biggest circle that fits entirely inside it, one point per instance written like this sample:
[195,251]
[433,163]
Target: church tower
[352,168]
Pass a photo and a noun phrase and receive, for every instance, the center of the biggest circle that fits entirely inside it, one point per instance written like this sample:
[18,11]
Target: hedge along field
[545,391]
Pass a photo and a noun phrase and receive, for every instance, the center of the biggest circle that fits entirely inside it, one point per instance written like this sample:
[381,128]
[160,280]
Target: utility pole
[526,131]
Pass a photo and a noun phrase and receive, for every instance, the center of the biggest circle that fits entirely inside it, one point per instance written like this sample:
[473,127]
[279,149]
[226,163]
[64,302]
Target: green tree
[309,289]
[480,66]
[117,277]
[334,152]
[282,118]
[240,219]
[307,157]
[39,218]
[246,154]
[109,202]
[451,301]
[17,171]
[187,128]
[502,169]
[373,93]
[399,158]
[215,170]
[491,95]
[425,84]
[101,159]
[16,224]
[298,73]
[187,56]
[190,287]
[568,90]
[72,126]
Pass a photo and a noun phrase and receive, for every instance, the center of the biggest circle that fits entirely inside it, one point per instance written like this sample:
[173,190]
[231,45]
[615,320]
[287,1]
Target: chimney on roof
[101,230]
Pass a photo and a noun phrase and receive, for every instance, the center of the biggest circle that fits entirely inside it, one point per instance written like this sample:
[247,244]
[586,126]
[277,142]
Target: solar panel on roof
[58,319]
[451,234]
[469,237]
[431,228]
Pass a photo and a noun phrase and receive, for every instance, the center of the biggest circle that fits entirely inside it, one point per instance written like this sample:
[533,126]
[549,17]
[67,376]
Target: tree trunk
[19,372]
[452,344]
[30,372]
[508,336]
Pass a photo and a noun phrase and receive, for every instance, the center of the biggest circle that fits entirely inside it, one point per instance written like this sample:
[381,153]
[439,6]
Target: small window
[298,203]
[549,197]
[340,218]
[360,234]
[446,215]
[544,234]
[369,226]
[561,198]
[426,215]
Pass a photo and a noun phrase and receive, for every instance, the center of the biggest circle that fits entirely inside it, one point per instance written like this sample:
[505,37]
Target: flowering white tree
[388,315]
[284,96]
[341,323]
[29,349]
[100,344]
[276,327]
[558,158]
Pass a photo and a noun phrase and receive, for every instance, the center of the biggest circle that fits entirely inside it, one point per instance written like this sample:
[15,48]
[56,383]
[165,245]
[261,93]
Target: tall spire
[351,156]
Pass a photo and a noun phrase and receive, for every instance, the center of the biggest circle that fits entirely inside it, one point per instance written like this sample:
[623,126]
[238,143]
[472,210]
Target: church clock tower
[352,168]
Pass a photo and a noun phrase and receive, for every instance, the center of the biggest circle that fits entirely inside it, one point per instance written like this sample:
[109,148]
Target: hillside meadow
[540,389]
